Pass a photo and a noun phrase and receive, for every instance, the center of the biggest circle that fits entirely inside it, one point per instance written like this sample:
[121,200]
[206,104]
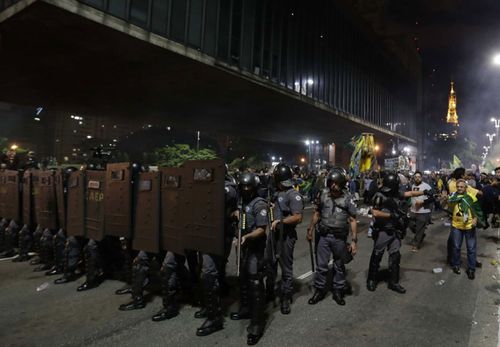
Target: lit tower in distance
[452,116]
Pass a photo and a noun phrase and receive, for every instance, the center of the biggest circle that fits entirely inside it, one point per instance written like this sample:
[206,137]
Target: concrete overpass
[69,56]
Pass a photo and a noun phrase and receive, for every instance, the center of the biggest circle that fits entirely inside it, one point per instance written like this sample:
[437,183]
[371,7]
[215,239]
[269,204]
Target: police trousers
[329,245]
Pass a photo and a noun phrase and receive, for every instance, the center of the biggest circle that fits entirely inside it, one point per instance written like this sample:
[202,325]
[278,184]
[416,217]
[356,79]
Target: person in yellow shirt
[463,224]
[459,173]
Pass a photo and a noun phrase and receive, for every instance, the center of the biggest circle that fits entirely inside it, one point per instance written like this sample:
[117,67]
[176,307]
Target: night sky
[456,40]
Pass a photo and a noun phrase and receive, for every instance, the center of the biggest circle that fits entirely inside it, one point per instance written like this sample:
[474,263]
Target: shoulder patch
[263,212]
[298,198]
[247,208]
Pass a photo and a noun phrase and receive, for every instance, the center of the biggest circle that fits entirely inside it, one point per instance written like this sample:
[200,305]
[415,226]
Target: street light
[497,123]
[490,137]
[496,59]
[393,126]
[309,144]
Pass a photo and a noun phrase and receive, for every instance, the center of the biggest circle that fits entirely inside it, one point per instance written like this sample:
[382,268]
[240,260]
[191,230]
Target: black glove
[428,192]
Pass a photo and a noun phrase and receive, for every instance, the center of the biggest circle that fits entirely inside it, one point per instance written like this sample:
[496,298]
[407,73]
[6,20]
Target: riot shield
[94,218]
[75,225]
[173,220]
[118,203]
[11,182]
[28,203]
[203,204]
[46,206]
[147,212]
[60,198]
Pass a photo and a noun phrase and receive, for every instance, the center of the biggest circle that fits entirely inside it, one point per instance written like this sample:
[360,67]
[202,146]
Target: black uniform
[387,233]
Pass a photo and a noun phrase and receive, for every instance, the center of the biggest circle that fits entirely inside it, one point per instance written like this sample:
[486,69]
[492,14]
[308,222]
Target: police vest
[389,205]
[334,212]
[252,210]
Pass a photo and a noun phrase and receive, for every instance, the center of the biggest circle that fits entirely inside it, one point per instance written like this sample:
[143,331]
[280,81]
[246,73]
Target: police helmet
[337,175]
[283,174]
[391,183]
[249,181]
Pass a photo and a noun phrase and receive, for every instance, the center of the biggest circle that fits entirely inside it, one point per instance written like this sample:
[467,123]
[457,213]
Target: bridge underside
[63,61]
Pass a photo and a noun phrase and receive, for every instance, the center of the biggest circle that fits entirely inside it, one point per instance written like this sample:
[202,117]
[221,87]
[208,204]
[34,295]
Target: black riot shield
[28,199]
[147,212]
[46,206]
[75,225]
[203,203]
[173,222]
[94,218]
[59,179]
[11,182]
[118,203]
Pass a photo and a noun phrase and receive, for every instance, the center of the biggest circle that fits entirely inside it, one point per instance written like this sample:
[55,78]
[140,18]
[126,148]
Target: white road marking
[309,273]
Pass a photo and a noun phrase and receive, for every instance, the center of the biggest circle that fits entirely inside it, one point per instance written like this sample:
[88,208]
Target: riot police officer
[213,269]
[389,227]
[287,211]
[254,220]
[335,212]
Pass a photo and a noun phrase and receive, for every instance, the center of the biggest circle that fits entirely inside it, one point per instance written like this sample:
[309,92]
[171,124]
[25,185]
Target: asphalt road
[460,312]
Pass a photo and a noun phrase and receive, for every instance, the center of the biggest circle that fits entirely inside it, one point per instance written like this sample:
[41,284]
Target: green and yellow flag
[456,162]
[363,156]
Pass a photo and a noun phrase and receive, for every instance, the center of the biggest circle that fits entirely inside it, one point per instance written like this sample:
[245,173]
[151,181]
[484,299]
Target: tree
[176,155]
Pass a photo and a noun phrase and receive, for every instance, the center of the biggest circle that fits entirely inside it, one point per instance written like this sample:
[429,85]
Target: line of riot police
[118,218]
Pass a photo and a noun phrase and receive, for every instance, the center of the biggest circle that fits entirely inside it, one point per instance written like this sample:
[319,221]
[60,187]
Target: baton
[238,245]
[311,253]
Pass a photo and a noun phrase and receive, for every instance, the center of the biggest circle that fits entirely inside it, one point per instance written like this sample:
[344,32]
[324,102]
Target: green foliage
[174,156]
[243,163]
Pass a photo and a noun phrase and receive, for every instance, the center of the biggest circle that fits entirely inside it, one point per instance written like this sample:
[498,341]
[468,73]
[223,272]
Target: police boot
[36,245]
[347,290]
[8,243]
[270,287]
[244,309]
[394,260]
[44,258]
[126,289]
[170,306]
[256,328]
[59,240]
[319,294]
[371,283]
[93,273]
[214,321]
[3,226]
[24,244]
[138,278]
[68,270]
[285,302]
[338,297]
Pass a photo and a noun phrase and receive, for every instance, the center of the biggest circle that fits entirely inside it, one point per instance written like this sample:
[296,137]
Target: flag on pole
[456,162]
[363,156]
